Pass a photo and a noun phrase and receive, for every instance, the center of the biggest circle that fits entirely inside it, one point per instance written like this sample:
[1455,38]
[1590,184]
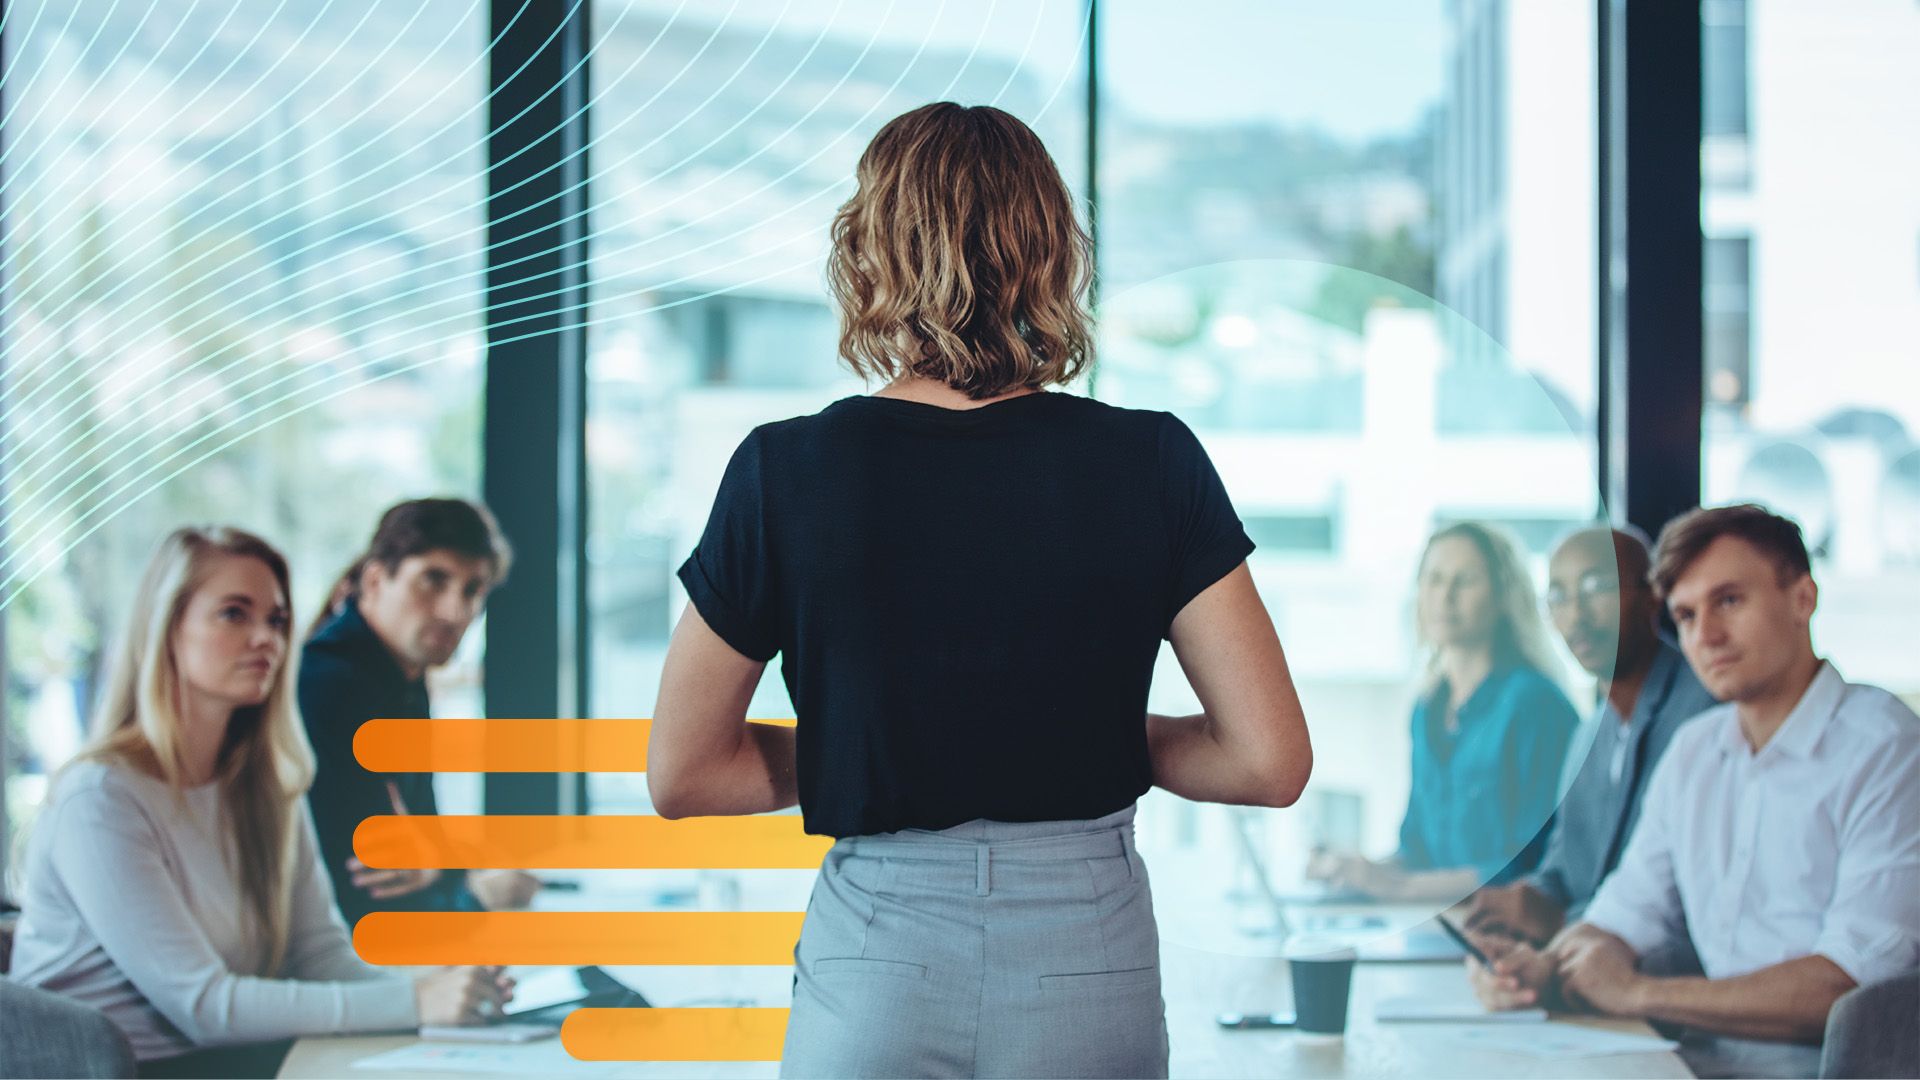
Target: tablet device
[547,997]
[1254,1021]
[543,990]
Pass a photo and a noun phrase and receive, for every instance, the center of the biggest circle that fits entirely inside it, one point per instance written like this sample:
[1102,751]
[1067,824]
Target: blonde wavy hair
[265,763]
[1519,633]
[959,258]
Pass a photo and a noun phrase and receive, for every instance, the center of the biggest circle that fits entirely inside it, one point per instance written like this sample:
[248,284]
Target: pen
[1454,933]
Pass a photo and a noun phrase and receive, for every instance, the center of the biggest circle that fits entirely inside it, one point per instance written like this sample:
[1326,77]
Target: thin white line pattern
[245,243]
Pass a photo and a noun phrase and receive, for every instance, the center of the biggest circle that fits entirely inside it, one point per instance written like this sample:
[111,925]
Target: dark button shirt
[1601,805]
[1482,794]
[968,602]
[347,677]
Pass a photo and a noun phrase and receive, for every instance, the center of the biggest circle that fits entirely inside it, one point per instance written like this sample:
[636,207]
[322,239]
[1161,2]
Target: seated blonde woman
[171,878]
[1489,733]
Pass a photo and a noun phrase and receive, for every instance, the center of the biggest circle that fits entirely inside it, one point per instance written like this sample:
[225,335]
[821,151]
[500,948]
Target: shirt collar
[1654,691]
[1489,688]
[1801,730]
[349,629]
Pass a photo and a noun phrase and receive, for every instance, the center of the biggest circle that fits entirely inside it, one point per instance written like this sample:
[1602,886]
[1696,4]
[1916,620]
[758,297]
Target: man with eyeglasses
[1601,602]
[1780,835]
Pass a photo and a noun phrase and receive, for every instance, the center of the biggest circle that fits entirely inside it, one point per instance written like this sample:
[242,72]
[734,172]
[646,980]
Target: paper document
[1455,1009]
[1550,1040]
[489,1033]
[547,1058]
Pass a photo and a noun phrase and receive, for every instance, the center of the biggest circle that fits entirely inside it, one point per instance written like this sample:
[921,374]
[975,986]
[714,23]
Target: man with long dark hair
[399,609]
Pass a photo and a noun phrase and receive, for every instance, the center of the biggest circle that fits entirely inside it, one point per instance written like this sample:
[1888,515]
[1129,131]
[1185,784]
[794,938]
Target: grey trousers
[988,949]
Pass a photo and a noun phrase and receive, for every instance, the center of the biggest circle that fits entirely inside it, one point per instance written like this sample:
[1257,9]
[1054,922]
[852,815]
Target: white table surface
[1197,985]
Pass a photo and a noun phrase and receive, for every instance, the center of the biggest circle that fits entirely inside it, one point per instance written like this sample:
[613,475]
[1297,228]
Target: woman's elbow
[672,803]
[670,795]
[1290,779]
[1288,769]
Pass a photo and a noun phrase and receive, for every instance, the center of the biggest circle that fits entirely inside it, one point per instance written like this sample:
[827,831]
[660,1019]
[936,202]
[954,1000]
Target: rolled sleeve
[1645,927]
[1872,927]
[735,627]
[1869,959]
[1207,539]
[729,578]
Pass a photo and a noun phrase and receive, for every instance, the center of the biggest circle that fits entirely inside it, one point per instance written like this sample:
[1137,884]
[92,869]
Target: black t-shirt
[969,601]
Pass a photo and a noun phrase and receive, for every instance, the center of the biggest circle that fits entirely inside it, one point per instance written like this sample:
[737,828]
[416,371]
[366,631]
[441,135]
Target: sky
[1356,69]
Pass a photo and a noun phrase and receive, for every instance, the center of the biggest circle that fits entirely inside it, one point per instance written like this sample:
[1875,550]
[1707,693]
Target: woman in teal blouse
[1490,730]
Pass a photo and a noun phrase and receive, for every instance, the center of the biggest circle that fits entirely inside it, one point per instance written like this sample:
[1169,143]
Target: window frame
[533,457]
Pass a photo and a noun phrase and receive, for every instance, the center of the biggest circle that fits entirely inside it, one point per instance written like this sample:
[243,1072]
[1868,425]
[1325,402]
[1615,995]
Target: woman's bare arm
[1249,746]
[703,757]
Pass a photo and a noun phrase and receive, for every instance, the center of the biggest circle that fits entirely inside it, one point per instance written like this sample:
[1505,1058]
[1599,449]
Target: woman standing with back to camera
[969,578]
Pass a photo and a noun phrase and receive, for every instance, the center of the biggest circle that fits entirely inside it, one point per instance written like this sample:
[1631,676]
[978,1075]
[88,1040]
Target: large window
[721,149]
[1352,245]
[1285,191]
[1811,212]
[244,251]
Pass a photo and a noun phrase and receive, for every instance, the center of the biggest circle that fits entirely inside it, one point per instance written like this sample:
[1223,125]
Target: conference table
[1198,985]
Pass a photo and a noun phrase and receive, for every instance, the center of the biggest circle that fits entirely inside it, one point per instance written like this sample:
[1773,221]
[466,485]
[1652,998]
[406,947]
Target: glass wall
[244,259]
[1811,211]
[722,147]
[1353,247]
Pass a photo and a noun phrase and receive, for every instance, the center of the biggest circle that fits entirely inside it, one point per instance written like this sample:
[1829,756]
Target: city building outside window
[243,286]
[1811,302]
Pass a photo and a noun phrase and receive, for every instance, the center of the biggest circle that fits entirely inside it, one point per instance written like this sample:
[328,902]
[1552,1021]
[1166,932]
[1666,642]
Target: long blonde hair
[1519,633]
[265,762]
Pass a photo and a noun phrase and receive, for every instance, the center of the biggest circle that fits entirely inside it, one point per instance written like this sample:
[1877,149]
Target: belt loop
[1127,849]
[982,884]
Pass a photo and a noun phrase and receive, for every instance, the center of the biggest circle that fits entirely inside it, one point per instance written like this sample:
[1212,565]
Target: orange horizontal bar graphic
[573,842]
[675,1034]
[506,745]
[577,937]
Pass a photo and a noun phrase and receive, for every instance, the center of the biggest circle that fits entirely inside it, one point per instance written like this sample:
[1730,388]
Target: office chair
[1874,1030]
[46,1034]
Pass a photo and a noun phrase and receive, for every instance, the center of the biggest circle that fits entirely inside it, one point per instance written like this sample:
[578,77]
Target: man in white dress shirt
[1781,830]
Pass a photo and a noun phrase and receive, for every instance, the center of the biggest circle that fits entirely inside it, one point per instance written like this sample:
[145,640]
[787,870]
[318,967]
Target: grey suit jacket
[1602,804]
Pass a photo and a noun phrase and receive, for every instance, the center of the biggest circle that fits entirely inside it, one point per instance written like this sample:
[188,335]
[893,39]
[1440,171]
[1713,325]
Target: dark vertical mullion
[1660,126]
[533,455]
[574,607]
[1610,273]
